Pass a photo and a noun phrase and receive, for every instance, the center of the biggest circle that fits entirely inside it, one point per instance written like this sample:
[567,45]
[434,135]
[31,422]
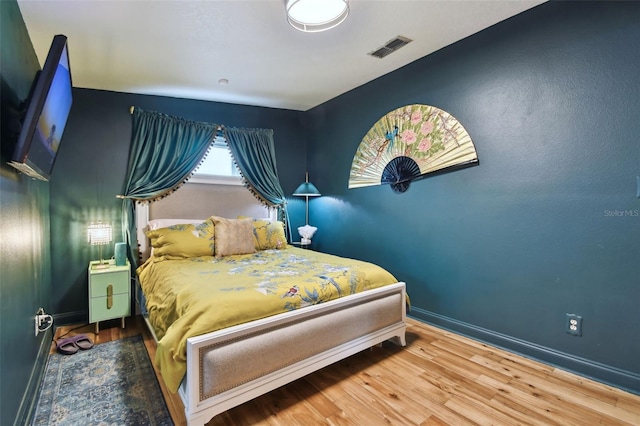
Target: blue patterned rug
[110,384]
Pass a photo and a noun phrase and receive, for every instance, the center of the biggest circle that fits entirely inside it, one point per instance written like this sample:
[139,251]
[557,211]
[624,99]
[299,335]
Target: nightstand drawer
[100,282]
[100,310]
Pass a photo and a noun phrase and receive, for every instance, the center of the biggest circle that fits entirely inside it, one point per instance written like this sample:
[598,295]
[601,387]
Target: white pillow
[163,223]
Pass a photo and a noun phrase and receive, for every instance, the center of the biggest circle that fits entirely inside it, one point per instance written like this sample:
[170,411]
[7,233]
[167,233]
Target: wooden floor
[439,378]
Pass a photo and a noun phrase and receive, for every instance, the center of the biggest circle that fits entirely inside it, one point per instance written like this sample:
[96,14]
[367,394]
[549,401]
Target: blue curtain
[254,153]
[164,152]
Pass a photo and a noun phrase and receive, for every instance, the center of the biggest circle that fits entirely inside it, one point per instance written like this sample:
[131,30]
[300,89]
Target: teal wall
[43,249]
[502,251]
[92,162]
[25,267]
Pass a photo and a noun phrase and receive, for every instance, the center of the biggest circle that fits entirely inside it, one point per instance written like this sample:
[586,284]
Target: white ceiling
[182,48]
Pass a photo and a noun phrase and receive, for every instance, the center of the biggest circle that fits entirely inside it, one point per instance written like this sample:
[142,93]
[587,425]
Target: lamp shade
[316,15]
[307,189]
[99,234]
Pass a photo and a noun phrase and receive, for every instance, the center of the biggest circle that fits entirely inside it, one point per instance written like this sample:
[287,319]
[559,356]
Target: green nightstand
[109,292]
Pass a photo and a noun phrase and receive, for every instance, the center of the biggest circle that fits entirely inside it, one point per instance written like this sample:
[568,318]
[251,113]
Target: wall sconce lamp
[99,234]
[313,16]
[306,190]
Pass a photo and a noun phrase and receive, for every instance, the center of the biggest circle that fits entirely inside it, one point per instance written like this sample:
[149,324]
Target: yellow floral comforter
[197,295]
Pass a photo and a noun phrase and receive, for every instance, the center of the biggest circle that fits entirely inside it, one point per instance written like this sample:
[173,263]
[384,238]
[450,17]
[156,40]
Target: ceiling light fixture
[313,16]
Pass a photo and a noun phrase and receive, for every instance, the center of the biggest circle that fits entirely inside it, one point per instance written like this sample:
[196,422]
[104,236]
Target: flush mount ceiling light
[313,16]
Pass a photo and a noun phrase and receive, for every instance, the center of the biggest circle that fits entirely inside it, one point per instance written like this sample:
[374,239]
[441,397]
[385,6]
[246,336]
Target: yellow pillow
[233,236]
[184,240]
[268,234]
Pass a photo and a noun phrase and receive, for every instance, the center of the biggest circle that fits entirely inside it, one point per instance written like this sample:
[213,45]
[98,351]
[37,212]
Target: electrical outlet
[573,325]
[42,321]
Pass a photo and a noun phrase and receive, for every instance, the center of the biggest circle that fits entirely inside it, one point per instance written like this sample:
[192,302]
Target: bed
[216,360]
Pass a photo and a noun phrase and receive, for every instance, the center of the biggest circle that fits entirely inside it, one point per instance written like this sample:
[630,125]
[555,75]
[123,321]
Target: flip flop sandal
[82,342]
[67,346]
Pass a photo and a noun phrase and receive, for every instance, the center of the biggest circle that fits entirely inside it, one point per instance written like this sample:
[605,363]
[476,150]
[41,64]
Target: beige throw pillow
[233,236]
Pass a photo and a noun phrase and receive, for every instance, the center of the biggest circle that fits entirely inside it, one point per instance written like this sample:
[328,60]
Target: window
[218,167]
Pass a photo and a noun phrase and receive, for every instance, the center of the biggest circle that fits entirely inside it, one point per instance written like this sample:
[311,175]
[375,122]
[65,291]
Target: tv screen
[46,116]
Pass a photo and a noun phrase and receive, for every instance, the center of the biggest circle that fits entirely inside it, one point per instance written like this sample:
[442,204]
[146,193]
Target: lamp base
[306,233]
[101,265]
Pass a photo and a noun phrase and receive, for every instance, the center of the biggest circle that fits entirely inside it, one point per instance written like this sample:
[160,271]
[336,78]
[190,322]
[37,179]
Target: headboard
[199,201]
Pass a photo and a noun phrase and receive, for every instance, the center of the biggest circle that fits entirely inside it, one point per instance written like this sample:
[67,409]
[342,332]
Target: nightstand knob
[109,296]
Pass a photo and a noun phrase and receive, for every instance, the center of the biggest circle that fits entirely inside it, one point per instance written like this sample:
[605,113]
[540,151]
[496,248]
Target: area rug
[110,384]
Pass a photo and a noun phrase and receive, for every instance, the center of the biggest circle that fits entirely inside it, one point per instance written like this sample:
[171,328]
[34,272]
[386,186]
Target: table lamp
[99,234]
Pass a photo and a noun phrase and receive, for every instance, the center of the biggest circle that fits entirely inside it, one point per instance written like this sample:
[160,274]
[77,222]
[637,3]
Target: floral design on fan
[408,142]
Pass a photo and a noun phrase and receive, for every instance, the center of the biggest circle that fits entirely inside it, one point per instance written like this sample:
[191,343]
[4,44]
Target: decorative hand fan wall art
[408,143]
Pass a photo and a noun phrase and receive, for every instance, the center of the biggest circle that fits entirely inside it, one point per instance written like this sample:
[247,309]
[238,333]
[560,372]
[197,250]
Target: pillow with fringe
[183,240]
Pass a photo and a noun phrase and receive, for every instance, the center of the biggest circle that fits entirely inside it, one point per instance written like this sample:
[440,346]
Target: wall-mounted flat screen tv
[46,114]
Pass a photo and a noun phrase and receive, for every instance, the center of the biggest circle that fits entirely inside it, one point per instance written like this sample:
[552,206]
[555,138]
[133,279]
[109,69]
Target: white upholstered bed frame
[231,366]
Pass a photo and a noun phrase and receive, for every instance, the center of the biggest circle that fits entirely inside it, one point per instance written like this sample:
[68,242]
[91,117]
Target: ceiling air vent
[390,46]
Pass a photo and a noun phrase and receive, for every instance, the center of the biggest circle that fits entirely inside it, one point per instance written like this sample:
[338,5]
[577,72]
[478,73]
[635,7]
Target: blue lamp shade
[307,189]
